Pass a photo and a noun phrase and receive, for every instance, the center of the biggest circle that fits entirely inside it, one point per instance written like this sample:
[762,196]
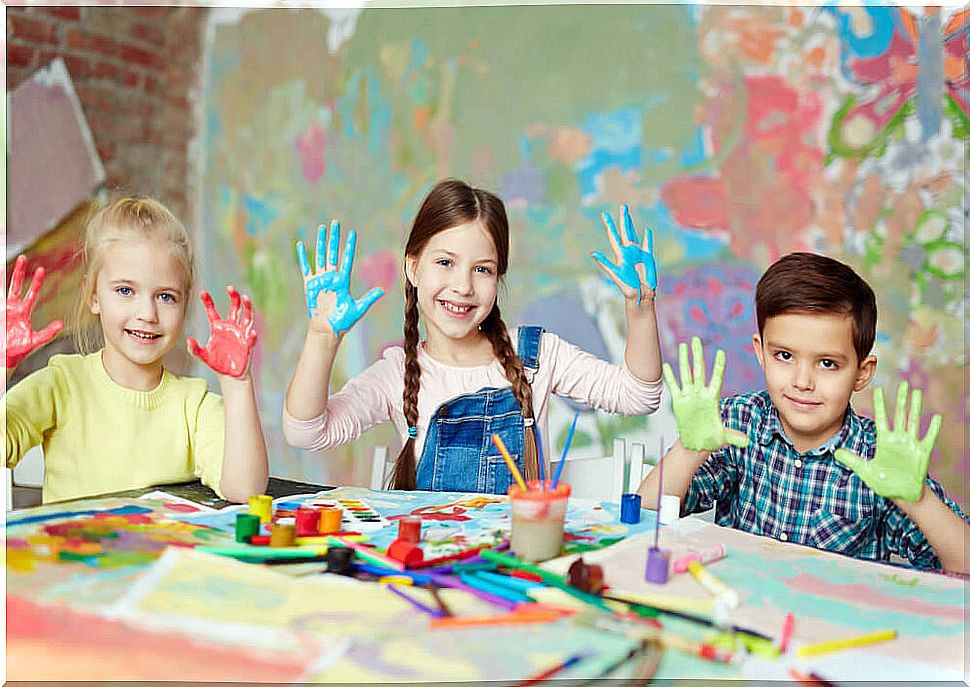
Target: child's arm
[20,338]
[946,531]
[245,465]
[898,472]
[331,311]
[635,273]
[697,412]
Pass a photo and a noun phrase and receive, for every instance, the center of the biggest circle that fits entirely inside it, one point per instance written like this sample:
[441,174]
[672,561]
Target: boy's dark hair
[808,282]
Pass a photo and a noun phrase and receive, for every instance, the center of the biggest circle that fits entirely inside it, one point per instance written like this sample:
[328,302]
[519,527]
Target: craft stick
[261,551]
[448,581]
[512,595]
[381,571]
[565,450]
[809,650]
[369,554]
[504,619]
[786,630]
[500,445]
[547,577]
[423,607]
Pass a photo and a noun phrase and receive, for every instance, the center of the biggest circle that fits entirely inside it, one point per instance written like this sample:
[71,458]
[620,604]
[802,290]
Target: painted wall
[737,133]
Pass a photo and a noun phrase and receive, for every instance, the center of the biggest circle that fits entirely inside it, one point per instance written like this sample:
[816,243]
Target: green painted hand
[899,468]
[696,406]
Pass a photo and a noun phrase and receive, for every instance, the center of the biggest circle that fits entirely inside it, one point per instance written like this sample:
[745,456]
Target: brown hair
[124,218]
[449,204]
[807,282]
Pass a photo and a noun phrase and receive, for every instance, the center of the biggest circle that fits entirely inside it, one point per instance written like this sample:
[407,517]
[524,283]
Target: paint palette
[358,515]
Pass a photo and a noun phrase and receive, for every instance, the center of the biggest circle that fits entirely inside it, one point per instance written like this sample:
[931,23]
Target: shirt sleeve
[583,377]
[903,537]
[362,403]
[717,477]
[30,409]
[208,441]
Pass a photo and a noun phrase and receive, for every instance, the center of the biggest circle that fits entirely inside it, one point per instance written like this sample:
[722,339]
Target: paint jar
[409,528]
[669,509]
[307,522]
[538,516]
[330,520]
[261,505]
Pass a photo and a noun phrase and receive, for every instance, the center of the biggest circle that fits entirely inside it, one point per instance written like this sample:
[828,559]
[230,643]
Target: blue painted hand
[634,266]
[328,301]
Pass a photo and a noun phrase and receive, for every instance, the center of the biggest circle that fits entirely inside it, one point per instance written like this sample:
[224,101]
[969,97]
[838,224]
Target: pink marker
[704,556]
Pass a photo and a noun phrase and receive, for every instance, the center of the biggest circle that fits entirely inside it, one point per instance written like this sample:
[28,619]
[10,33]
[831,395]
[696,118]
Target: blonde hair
[120,219]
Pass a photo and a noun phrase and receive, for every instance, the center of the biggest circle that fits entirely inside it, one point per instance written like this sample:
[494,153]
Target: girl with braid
[469,377]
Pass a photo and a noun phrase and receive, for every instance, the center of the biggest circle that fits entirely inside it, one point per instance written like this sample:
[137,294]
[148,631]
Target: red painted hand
[230,340]
[21,339]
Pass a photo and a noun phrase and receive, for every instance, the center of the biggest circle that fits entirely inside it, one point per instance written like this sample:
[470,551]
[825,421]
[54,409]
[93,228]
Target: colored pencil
[451,582]
[265,552]
[565,450]
[809,650]
[550,671]
[500,445]
[438,600]
[498,590]
[700,620]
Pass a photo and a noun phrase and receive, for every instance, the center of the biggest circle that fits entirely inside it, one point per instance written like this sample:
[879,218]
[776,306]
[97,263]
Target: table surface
[830,596]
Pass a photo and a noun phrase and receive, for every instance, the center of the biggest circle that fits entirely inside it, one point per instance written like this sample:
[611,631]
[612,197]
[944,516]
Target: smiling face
[140,297]
[456,277]
[811,369]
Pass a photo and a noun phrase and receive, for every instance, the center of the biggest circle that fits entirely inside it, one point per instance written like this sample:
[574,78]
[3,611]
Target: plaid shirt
[810,498]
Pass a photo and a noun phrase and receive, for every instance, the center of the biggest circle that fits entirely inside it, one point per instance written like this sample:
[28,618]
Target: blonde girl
[112,417]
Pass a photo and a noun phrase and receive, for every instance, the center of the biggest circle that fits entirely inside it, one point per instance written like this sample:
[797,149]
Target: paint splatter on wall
[738,134]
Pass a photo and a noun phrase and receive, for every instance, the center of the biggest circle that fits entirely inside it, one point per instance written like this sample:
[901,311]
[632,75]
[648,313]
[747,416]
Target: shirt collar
[851,434]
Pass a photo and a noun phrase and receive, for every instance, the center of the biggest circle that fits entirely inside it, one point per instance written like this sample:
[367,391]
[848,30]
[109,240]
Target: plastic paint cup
[630,508]
[282,535]
[538,516]
[669,509]
[307,522]
[261,505]
[330,520]
[409,528]
[247,525]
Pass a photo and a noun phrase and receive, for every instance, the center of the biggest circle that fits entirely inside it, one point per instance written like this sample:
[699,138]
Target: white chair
[29,472]
[600,478]
[378,470]
[640,468]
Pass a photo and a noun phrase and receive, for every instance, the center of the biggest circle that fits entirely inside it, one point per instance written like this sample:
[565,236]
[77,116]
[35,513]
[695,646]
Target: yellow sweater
[100,437]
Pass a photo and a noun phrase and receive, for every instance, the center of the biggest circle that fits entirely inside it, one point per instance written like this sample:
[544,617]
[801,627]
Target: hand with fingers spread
[899,467]
[20,338]
[230,340]
[634,267]
[340,311]
[696,406]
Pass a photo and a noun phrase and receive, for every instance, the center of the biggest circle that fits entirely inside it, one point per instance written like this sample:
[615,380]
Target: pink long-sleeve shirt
[377,394]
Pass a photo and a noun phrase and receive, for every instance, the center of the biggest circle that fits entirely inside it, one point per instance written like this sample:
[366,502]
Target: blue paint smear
[380,119]
[885,21]
[763,583]
[347,103]
[695,154]
[419,56]
[259,214]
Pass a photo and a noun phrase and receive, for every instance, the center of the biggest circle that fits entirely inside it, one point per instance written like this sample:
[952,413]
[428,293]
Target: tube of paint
[704,556]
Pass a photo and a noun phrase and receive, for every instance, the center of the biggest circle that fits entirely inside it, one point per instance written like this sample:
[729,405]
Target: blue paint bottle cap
[630,508]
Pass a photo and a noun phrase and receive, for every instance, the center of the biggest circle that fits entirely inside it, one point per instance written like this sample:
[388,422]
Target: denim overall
[458,452]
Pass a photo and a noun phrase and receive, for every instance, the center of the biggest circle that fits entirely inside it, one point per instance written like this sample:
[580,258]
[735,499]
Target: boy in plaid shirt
[795,462]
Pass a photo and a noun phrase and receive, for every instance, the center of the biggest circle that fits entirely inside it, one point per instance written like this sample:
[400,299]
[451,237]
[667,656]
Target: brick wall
[136,71]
